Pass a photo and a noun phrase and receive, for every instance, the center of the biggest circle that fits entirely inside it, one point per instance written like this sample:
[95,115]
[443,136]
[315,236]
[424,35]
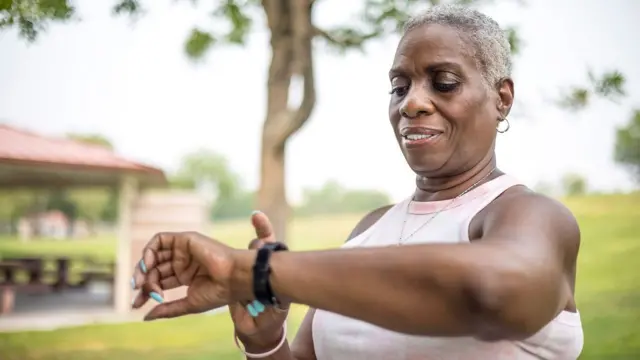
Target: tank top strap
[391,215]
[486,193]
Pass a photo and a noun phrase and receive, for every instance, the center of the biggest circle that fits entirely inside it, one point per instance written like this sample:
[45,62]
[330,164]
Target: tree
[333,198]
[609,85]
[574,184]
[290,24]
[206,171]
[92,139]
[627,148]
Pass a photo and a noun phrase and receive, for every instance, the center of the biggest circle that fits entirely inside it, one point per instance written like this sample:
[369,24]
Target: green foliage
[92,139]
[240,205]
[574,184]
[205,169]
[332,198]
[627,148]
[198,43]
[33,16]
[14,203]
[130,7]
[610,85]
[59,200]
[92,204]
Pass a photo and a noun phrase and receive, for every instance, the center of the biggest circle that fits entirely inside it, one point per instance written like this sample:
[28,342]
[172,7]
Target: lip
[434,135]
[419,130]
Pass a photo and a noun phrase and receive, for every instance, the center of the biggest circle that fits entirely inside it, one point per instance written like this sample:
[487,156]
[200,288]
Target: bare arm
[509,284]
[302,347]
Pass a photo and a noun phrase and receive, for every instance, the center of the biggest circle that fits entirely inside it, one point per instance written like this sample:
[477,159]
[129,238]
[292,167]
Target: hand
[265,330]
[204,265]
[172,260]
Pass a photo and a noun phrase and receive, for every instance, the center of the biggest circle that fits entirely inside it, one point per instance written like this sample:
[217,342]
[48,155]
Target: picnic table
[34,267]
[9,287]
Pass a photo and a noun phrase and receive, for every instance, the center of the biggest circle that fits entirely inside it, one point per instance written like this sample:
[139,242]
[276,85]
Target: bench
[9,286]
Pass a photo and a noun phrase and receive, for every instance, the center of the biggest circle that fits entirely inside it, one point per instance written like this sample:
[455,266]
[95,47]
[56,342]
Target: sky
[133,83]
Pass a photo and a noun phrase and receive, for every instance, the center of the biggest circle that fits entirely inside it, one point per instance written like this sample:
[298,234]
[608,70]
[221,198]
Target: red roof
[24,147]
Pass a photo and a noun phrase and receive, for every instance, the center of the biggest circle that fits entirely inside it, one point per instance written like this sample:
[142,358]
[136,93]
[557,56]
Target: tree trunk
[272,197]
[289,22]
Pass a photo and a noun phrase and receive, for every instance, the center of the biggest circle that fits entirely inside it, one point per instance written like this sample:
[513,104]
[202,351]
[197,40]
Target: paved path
[65,309]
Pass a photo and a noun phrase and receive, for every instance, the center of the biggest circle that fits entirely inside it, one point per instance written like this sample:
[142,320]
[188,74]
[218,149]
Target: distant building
[52,224]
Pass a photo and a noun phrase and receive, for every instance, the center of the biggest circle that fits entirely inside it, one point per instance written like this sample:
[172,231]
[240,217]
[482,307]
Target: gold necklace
[401,241]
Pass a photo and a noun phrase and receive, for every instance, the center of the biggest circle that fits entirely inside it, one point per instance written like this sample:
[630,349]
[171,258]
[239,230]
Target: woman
[486,269]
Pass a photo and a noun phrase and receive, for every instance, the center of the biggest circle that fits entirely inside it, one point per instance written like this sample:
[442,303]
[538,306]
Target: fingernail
[133,283]
[252,311]
[255,212]
[155,296]
[133,299]
[143,267]
[258,306]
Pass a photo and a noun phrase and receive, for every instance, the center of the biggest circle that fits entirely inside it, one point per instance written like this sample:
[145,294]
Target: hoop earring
[500,121]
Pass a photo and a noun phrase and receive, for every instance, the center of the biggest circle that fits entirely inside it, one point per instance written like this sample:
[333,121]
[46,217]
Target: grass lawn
[608,293]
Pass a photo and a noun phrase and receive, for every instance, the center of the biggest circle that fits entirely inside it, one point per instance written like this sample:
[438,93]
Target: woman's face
[443,115]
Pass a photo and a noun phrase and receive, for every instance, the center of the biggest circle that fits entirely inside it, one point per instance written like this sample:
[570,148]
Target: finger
[263,227]
[152,285]
[139,299]
[255,244]
[147,264]
[172,309]
[152,257]
[160,249]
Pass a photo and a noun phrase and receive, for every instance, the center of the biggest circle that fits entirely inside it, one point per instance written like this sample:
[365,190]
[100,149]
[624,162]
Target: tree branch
[302,29]
[345,38]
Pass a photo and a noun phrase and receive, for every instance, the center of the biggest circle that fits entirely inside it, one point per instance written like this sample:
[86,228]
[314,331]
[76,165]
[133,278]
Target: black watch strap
[261,272]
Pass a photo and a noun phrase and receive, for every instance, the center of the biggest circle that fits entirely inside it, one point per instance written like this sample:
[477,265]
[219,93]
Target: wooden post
[122,287]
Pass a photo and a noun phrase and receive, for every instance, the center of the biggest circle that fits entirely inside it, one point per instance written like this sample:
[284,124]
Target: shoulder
[368,220]
[530,215]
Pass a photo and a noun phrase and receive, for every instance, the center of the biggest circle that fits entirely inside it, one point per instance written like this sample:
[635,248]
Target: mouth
[418,136]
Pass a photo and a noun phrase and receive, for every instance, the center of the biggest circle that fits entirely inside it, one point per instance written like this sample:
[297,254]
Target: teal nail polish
[252,311]
[155,296]
[255,212]
[133,283]
[258,306]
[143,267]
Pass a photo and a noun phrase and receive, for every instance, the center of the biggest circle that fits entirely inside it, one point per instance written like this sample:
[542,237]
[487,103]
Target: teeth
[417,136]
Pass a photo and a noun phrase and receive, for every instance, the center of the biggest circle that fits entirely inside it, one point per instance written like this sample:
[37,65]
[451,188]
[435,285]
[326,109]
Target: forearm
[437,290]
[404,289]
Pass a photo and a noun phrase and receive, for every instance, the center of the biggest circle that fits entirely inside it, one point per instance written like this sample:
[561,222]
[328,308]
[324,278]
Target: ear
[505,97]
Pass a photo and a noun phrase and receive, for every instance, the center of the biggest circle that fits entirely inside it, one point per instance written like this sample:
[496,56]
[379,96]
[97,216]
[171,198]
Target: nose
[416,104]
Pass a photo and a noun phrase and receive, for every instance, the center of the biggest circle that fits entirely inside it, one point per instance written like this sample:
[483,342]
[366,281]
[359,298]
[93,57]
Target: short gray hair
[492,48]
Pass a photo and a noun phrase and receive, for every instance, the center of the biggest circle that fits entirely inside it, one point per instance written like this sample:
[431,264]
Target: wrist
[241,282]
[262,342]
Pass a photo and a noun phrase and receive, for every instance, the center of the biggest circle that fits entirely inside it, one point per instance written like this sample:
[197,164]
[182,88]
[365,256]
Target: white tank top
[337,337]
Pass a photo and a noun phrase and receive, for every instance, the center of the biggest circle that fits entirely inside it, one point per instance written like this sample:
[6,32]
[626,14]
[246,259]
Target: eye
[445,87]
[399,90]
[399,87]
[445,82]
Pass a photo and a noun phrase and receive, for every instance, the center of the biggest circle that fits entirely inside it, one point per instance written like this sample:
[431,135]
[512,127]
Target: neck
[450,186]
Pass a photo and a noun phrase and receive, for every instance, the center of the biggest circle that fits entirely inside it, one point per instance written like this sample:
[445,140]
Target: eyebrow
[399,71]
[396,71]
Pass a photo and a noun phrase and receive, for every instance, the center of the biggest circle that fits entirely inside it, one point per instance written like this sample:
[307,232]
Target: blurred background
[122,118]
